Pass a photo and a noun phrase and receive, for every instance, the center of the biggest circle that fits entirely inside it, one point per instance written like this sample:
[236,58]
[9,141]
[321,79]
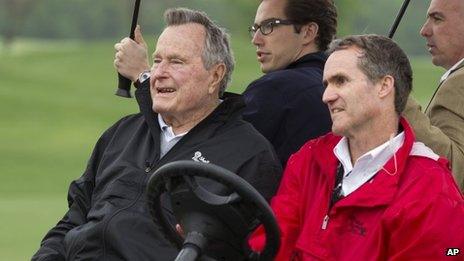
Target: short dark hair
[321,12]
[381,56]
[217,45]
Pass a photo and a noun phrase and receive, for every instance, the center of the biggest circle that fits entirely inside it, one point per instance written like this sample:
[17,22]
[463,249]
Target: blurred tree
[90,19]
[346,19]
[376,17]
[14,13]
[81,19]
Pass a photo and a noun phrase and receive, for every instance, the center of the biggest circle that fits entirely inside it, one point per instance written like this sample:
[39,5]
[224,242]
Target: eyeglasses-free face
[266,27]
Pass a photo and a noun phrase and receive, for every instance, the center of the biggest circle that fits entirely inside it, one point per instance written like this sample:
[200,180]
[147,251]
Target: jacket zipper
[105,227]
[148,167]
[325,222]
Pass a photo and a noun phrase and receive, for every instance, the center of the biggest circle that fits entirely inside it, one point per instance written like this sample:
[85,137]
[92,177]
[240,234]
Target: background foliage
[90,19]
[57,83]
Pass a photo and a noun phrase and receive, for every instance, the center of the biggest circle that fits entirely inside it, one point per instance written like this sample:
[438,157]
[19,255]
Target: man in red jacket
[368,191]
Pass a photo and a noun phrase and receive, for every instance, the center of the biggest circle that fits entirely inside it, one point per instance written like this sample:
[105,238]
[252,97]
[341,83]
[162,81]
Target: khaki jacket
[442,126]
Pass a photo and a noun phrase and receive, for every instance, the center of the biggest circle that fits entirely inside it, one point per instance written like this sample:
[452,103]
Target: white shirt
[447,73]
[367,165]
[167,138]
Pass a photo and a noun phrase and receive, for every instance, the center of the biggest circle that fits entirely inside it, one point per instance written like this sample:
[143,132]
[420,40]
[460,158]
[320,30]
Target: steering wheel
[216,209]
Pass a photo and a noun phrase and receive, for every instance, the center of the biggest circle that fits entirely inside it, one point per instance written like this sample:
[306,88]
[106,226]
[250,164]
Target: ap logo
[452,251]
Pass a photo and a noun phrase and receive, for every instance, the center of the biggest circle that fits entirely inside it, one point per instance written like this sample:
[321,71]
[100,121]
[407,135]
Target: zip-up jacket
[410,210]
[108,217]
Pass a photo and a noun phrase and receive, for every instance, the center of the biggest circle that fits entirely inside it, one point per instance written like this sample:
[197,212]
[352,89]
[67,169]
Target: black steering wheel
[216,209]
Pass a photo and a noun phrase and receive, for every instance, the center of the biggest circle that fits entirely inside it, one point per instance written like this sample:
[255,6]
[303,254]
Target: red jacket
[415,214]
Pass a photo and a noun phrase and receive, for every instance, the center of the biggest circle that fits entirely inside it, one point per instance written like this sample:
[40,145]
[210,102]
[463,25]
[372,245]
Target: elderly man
[441,126]
[182,118]
[285,104]
[367,191]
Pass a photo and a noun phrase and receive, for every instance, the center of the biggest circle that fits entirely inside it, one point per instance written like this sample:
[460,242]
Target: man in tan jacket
[442,126]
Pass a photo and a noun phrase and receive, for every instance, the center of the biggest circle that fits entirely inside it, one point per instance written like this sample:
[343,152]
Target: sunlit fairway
[56,99]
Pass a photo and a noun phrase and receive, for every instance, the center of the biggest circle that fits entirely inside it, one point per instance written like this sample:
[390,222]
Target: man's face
[444,32]
[349,94]
[179,84]
[283,46]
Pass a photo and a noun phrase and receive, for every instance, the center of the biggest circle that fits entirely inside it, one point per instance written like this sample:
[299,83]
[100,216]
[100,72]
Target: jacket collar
[231,107]
[316,59]
[454,68]
[458,66]
[382,188]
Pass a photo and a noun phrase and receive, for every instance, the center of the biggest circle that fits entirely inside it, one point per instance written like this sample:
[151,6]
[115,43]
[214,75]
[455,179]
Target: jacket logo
[356,226]
[199,158]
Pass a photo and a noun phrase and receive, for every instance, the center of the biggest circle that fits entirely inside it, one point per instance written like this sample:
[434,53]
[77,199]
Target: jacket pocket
[76,242]
[310,249]
[120,191]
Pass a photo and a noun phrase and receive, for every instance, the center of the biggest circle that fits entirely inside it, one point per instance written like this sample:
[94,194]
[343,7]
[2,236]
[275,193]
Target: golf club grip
[124,85]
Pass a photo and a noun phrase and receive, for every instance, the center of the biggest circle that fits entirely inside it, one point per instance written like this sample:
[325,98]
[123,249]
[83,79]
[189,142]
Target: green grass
[23,222]
[56,98]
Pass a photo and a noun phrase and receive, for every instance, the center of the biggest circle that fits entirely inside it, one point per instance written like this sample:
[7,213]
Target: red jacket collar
[383,187]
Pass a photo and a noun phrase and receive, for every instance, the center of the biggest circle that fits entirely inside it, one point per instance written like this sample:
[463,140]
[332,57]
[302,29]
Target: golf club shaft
[398,18]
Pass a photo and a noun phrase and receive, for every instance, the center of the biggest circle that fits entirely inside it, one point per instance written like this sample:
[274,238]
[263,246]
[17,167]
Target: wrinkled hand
[131,56]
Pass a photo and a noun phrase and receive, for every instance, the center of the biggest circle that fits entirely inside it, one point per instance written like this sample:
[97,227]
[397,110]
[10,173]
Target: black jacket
[108,218]
[286,105]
